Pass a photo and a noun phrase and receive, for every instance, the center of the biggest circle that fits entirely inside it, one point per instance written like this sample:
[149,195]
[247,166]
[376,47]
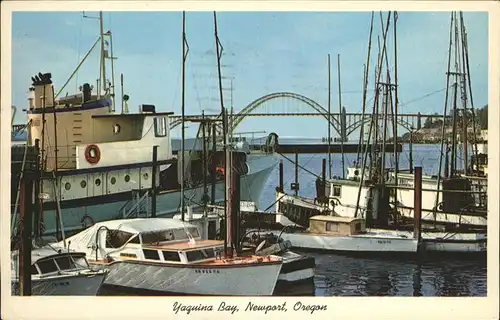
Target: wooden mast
[185,49]
[228,223]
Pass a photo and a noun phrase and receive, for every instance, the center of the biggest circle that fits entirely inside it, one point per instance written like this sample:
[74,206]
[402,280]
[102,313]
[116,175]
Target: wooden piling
[417,203]
[281,186]
[323,171]
[236,165]
[214,164]
[26,219]
[37,203]
[296,187]
[153,182]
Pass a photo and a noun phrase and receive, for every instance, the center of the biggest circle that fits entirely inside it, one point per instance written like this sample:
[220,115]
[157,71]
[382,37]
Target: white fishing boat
[342,198]
[164,255]
[294,210]
[339,234]
[58,273]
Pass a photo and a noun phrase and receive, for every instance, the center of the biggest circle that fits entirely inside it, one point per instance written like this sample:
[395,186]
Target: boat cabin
[84,131]
[153,239]
[47,262]
[184,253]
[336,226]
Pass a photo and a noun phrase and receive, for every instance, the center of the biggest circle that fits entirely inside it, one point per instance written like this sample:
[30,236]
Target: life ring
[92,154]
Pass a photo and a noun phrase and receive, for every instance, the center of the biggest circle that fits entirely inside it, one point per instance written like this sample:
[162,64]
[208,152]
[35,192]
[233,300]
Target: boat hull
[254,280]
[358,243]
[71,285]
[78,214]
[296,268]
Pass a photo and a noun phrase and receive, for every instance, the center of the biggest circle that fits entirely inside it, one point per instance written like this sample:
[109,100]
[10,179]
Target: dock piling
[26,222]
[417,206]
[153,183]
[295,185]
[213,170]
[323,171]
[281,187]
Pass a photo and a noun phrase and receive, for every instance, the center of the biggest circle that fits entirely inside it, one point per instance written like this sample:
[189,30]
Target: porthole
[113,180]
[116,129]
[127,178]
[83,184]
[97,182]
[145,176]
[67,186]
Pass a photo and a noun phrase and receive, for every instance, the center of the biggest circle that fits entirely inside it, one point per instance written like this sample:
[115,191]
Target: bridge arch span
[240,116]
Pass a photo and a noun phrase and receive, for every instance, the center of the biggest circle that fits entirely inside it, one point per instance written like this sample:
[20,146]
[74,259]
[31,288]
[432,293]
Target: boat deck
[182,246]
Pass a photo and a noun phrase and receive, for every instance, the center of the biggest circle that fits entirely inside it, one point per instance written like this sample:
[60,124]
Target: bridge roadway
[271,114]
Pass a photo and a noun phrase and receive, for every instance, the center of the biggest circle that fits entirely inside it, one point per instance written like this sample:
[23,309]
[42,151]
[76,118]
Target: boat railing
[137,205]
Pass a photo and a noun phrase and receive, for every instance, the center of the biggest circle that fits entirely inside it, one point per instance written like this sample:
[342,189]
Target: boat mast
[329,118]
[103,64]
[445,124]
[455,97]
[374,122]
[342,119]
[467,72]
[227,165]
[395,115]
[366,70]
[185,49]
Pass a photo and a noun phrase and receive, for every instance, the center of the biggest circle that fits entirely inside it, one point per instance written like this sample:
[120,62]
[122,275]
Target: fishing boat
[98,162]
[349,235]
[165,255]
[292,210]
[58,273]
[342,197]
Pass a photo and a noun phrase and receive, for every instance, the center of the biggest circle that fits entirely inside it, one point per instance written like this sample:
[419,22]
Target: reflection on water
[338,275]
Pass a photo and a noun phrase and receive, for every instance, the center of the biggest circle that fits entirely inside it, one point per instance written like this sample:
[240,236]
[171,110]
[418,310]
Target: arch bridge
[294,104]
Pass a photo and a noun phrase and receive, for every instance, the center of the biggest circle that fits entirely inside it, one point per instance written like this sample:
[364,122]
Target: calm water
[338,275]
[341,275]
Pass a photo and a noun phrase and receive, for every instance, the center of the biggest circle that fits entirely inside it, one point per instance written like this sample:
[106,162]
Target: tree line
[481,118]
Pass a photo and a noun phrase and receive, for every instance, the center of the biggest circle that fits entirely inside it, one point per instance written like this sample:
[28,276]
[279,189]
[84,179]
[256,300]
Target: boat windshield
[63,262]
[168,235]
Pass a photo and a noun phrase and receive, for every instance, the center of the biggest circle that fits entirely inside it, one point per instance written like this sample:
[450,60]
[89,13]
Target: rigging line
[197,91]
[177,83]
[423,97]
[300,166]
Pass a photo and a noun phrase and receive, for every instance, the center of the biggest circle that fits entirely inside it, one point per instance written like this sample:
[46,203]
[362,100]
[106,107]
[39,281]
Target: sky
[264,52]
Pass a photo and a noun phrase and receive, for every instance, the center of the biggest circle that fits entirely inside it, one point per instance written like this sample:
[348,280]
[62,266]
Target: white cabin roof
[334,218]
[87,238]
[139,225]
[43,252]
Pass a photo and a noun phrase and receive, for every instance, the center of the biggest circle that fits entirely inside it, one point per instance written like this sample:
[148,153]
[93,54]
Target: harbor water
[340,275]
